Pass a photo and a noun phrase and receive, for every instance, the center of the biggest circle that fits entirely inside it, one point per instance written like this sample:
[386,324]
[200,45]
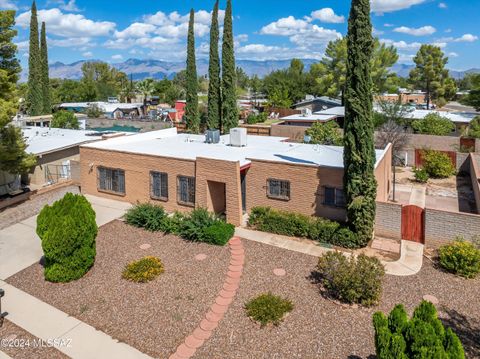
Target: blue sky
[114,31]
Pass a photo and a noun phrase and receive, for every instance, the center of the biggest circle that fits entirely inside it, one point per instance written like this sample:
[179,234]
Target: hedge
[67,230]
[199,225]
[266,219]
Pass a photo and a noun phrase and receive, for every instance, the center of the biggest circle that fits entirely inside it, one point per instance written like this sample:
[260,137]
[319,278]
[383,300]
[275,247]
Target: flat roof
[335,111]
[167,143]
[42,140]
[454,117]
[308,118]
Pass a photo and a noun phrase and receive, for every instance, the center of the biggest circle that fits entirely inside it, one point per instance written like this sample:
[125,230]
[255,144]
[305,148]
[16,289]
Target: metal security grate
[159,185]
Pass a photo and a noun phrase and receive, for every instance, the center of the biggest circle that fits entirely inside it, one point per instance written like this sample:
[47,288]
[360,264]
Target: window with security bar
[186,190]
[159,185]
[278,189]
[111,180]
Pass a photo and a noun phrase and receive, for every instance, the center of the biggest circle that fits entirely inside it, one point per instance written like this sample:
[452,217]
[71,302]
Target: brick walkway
[33,206]
[225,297]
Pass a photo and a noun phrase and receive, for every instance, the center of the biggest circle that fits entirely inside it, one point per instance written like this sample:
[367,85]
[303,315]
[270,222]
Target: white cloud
[87,54]
[328,15]
[68,25]
[135,30]
[467,38]
[69,5]
[8,5]
[383,6]
[286,26]
[453,54]
[402,45]
[117,57]
[79,41]
[442,5]
[421,31]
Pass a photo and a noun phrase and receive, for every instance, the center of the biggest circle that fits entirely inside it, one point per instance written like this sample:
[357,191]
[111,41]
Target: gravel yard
[156,317]
[20,344]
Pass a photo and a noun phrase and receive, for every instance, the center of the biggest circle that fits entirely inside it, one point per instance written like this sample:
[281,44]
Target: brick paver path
[218,309]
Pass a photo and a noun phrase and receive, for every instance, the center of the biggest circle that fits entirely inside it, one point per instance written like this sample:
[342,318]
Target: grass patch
[143,270]
[268,308]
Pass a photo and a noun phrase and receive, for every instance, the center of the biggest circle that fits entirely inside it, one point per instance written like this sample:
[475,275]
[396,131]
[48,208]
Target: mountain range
[140,69]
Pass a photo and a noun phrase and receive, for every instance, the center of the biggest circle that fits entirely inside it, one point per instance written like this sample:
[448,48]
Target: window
[111,180]
[186,190]
[159,185]
[334,197]
[278,189]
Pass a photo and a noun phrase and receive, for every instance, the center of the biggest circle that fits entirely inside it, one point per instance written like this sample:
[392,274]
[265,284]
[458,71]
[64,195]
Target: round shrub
[268,308]
[143,270]
[351,280]
[67,230]
[148,216]
[218,233]
[437,164]
[421,175]
[344,237]
[461,258]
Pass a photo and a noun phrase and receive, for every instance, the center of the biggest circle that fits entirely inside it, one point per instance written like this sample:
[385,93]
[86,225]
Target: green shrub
[266,219]
[423,336]
[351,280]
[268,308]
[64,119]
[461,258]
[148,216]
[434,124]
[143,270]
[252,118]
[437,164]
[421,175]
[218,233]
[192,226]
[67,230]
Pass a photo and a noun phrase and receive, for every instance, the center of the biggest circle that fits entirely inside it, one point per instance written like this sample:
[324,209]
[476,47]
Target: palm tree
[146,88]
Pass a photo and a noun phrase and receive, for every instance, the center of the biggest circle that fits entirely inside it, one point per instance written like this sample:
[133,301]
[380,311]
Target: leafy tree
[255,84]
[431,76]
[279,98]
[34,95]
[214,107]
[94,111]
[290,84]
[13,156]
[127,90]
[100,81]
[473,129]
[473,98]
[242,79]
[64,119]
[229,82]
[360,186]
[394,111]
[433,124]
[329,75]
[46,98]
[423,336]
[325,133]
[146,87]
[191,109]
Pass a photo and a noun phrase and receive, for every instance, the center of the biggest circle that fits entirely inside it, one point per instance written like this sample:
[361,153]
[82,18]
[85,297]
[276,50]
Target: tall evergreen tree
[13,157]
[359,153]
[191,109]
[214,100]
[34,94]
[46,99]
[229,89]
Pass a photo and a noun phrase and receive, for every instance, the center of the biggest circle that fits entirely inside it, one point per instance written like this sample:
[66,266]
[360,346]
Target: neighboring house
[306,120]
[414,97]
[182,171]
[44,120]
[113,110]
[315,104]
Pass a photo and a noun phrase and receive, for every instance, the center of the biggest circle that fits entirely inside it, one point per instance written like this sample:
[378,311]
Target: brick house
[181,171]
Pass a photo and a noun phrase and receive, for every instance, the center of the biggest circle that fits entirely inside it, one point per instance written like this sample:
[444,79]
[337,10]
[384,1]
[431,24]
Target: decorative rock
[431,299]
[279,272]
[201,257]
[193,342]
[145,246]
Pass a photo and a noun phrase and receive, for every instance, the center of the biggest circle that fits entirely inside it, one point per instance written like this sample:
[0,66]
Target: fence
[256,130]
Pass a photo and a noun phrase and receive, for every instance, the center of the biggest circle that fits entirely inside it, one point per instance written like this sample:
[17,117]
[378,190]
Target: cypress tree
[214,100]
[34,94]
[229,89]
[47,106]
[359,154]
[191,109]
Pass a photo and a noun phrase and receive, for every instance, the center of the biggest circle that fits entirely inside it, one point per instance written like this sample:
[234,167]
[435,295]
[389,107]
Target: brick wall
[388,220]
[295,133]
[442,227]
[475,175]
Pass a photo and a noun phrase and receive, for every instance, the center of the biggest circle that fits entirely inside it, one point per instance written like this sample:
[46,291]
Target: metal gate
[413,223]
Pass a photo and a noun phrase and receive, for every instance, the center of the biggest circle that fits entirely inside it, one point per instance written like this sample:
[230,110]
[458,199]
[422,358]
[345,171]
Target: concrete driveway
[20,246]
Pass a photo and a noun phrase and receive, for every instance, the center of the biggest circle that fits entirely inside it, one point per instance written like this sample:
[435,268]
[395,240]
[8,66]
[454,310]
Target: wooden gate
[413,223]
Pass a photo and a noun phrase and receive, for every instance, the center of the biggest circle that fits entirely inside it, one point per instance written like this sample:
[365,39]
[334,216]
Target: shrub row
[199,225]
[266,219]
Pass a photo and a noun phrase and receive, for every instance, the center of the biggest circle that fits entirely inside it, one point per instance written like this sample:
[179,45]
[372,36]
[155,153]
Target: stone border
[218,309]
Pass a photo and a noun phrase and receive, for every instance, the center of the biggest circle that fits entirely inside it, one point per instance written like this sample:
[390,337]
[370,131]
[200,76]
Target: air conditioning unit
[212,136]
[238,137]
[306,112]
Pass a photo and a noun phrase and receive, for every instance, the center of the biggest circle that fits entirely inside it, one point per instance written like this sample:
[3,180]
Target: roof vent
[238,137]
[212,136]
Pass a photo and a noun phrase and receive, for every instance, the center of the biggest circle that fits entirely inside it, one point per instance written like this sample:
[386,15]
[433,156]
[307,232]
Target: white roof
[41,140]
[167,143]
[310,118]
[104,106]
[454,117]
[335,111]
